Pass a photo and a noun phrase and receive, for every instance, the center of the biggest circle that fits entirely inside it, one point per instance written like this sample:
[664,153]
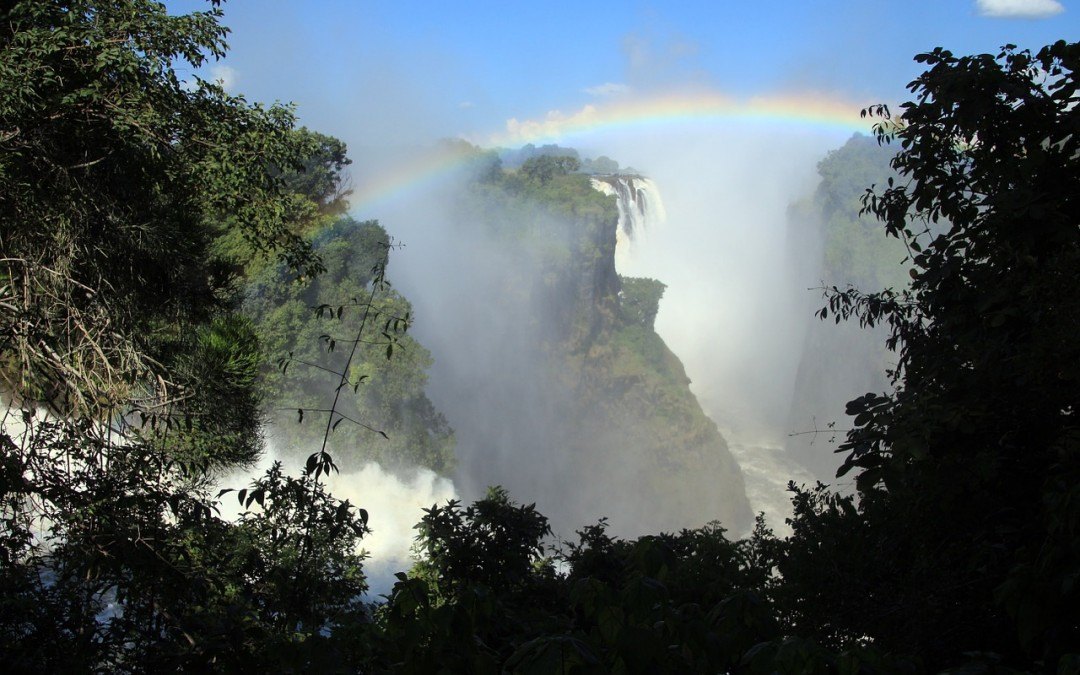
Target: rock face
[563,392]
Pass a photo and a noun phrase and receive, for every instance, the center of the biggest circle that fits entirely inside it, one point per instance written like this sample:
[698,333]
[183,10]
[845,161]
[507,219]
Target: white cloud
[551,126]
[1019,9]
[225,76]
[465,105]
[608,89]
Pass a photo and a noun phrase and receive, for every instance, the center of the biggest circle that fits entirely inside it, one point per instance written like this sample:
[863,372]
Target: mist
[394,501]
[489,377]
[739,274]
[743,277]
[737,264]
[734,310]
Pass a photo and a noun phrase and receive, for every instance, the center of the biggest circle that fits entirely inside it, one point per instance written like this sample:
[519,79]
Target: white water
[766,470]
[641,212]
[394,502]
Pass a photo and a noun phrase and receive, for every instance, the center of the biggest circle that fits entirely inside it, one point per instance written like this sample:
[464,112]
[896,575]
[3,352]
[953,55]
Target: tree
[127,373]
[968,472]
[639,299]
[543,168]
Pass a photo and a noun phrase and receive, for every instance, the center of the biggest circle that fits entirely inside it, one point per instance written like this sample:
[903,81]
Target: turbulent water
[767,468]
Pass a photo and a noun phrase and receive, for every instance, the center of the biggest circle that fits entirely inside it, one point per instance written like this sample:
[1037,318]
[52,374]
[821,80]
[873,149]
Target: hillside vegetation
[136,210]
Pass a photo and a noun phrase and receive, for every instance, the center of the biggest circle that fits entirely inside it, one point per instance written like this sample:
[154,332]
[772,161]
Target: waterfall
[640,210]
[690,309]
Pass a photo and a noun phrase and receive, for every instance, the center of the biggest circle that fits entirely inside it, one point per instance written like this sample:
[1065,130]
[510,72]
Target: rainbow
[398,180]
[676,110]
[799,114]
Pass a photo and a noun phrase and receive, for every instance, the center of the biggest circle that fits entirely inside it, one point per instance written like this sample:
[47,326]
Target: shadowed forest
[200,347]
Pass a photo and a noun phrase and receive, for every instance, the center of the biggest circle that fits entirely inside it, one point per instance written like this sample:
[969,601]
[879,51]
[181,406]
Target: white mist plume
[490,304]
[734,307]
[737,270]
[395,505]
[394,502]
[735,311]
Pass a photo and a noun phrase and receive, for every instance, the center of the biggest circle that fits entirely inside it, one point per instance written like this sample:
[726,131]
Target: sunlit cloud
[225,76]
[552,125]
[608,89]
[1019,9]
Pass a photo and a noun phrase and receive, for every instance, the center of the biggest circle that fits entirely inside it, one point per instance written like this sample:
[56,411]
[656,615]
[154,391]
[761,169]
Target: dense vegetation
[134,210]
[131,205]
[967,471]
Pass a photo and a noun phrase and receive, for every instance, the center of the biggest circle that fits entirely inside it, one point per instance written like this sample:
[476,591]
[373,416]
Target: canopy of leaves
[968,472]
[115,177]
[125,370]
[545,167]
[640,299]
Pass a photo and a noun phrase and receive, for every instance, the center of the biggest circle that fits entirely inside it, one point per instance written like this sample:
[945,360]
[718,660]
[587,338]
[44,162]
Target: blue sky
[404,72]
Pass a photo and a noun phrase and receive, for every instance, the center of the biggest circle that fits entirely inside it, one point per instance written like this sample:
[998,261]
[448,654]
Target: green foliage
[320,178]
[857,251]
[602,164]
[639,299]
[312,328]
[114,177]
[545,167]
[130,204]
[494,543]
[967,471]
[671,603]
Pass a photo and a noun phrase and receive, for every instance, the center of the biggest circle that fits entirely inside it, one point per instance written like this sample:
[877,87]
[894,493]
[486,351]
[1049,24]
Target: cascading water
[640,210]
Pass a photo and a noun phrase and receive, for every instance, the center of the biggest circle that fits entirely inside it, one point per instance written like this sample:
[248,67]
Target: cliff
[564,393]
[841,360]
